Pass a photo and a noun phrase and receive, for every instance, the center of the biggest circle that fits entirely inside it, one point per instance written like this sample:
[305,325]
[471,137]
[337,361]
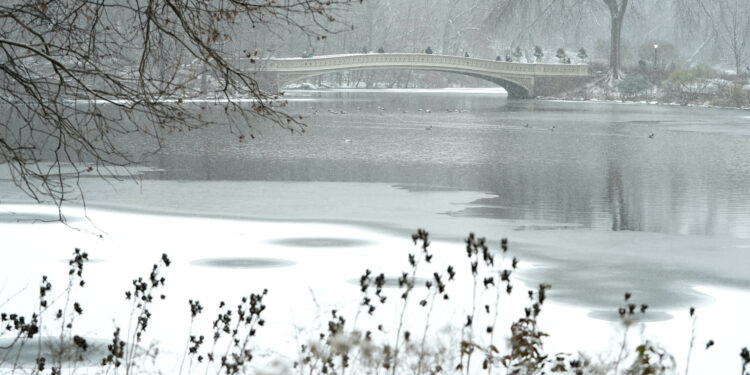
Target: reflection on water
[25,214]
[242,263]
[52,349]
[321,242]
[31,217]
[614,316]
[585,164]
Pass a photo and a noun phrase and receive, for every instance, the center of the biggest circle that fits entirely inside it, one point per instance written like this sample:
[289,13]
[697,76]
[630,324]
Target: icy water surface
[596,198]
[642,197]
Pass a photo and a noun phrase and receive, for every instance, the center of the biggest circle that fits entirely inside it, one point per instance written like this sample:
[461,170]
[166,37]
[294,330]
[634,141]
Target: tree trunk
[204,80]
[614,47]
[446,36]
[617,15]
[738,63]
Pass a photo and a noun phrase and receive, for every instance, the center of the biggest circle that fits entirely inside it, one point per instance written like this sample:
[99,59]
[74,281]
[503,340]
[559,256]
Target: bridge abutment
[519,93]
[557,86]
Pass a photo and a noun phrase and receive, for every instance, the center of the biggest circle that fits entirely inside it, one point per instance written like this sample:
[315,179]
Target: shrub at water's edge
[691,85]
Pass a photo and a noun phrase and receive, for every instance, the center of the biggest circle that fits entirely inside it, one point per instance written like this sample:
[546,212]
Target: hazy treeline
[687,31]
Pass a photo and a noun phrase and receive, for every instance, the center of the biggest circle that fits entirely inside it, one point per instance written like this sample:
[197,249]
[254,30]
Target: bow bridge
[521,80]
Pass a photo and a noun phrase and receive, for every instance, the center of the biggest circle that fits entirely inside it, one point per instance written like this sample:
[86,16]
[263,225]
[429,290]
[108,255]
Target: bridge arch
[519,79]
[514,88]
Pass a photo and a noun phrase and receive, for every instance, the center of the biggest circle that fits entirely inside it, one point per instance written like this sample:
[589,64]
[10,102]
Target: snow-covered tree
[538,53]
[560,54]
[582,55]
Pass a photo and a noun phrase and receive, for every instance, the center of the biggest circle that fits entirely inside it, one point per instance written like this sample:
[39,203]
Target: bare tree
[79,77]
[547,11]
[734,26]
[693,24]
[455,25]
[728,24]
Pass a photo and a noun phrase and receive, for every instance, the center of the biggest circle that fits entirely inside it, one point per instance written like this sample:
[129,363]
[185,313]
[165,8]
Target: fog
[687,32]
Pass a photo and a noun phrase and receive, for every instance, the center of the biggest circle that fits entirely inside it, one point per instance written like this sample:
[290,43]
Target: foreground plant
[372,345]
[51,352]
[430,352]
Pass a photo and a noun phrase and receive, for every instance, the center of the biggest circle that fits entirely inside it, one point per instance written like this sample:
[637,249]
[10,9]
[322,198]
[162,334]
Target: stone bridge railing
[342,62]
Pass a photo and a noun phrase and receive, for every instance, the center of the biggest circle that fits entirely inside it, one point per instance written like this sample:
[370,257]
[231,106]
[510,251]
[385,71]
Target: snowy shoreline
[134,240]
[563,99]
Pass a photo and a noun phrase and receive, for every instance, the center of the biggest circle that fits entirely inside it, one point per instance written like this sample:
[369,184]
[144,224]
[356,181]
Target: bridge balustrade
[425,60]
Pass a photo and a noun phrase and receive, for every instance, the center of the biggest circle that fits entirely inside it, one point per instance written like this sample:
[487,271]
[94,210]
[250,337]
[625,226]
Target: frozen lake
[597,199]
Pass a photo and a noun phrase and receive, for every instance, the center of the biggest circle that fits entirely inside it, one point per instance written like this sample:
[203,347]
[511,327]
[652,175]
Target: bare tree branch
[81,78]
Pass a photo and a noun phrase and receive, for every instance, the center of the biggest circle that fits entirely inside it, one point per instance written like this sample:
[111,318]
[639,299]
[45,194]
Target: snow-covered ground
[311,266]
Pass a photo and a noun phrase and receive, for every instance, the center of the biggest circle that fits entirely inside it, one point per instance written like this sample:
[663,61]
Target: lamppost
[656,48]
